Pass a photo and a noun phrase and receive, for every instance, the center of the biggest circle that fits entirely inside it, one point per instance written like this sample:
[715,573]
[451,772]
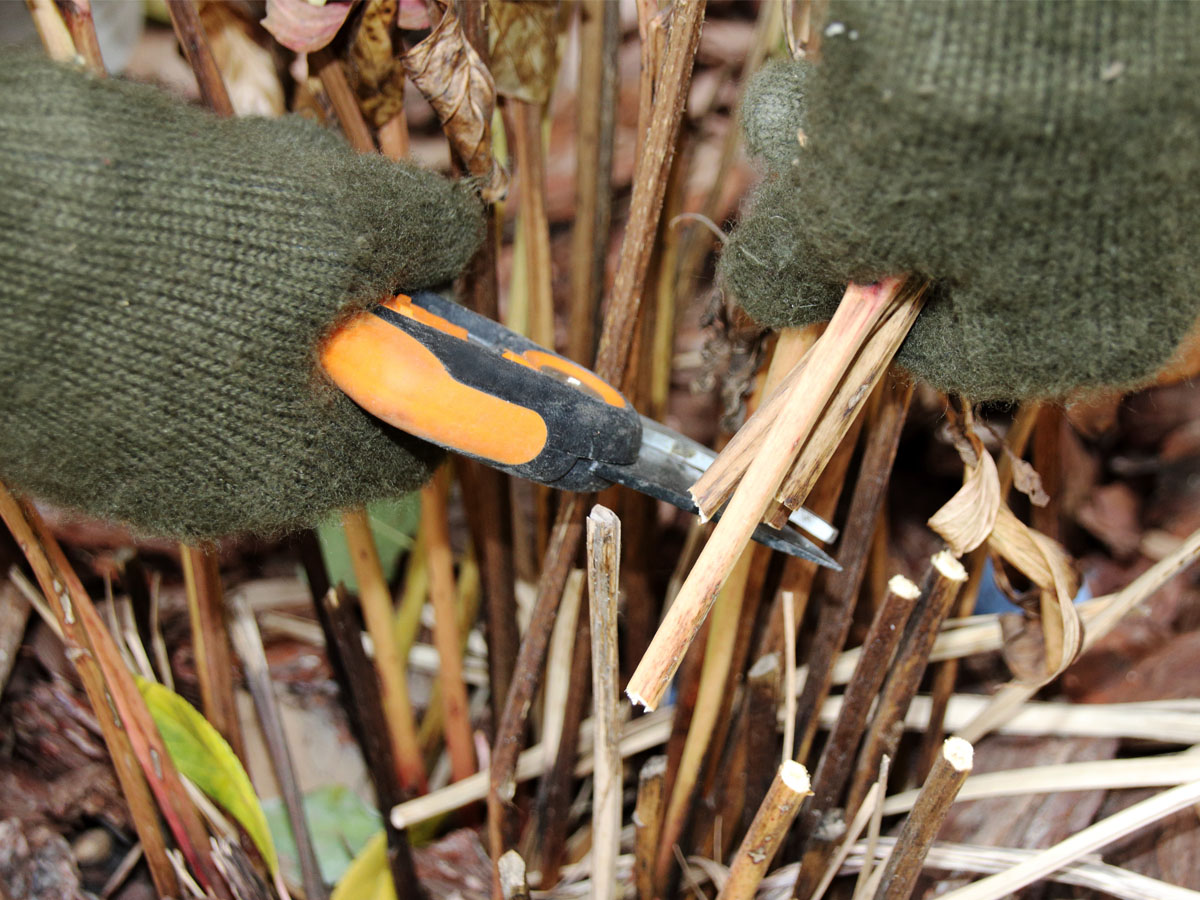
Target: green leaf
[393,524]
[368,877]
[200,753]
[340,824]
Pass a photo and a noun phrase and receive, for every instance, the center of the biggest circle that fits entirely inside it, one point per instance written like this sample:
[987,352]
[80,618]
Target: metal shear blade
[669,463]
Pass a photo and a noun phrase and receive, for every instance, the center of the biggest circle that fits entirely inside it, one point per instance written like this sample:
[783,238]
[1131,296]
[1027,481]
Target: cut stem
[604,554]
[192,40]
[856,316]
[647,820]
[921,827]
[766,832]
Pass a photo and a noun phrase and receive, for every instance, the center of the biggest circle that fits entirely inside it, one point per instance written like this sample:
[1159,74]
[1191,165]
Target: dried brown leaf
[1044,562]
[375,72]
[1027,480]
[523,37]
[969,516]
[449,73]
[303,27]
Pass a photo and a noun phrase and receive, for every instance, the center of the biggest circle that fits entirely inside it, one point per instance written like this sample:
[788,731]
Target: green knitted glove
[165,279]
[1038,160]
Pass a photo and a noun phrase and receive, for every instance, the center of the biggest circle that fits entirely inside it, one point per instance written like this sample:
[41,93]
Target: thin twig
[922,825]
[649,186]
[341,97]
[78,17]
[766,832]
[190,33]
[248,642]
[647,820]
[376,602]
[713,681]
[946,578]
[879,789]
[460,742]
[855,318]
[842,588]
[604,554]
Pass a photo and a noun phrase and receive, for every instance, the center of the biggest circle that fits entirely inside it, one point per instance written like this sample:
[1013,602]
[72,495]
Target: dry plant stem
[190,33]
[62,592]
[460,742]
[77,14]
[390,665]
[945,673]
[210,642]
[799,574]
[604,554]
[393,137]
[248,642]
[564,539]
[647,820]
[766,832]
[599,31]
[842,588]
[14,615]
[523,122]
[1091,839]
[878,789]
[847,402]
[856,316]
[878,648]
[853,830]
[713,679]
[52,30]
[554,793]
[921,827]
[360,689]
[946,578]
[345,105]
[513,885]
[649,186]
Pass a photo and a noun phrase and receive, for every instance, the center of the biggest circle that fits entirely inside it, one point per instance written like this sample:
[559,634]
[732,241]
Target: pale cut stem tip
[902,587]
[959,753]
[766,664]
[637,700]
[948,566]
[795,776]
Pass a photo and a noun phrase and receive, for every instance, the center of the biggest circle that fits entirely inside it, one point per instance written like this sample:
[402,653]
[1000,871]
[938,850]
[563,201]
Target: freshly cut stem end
[766,832]
[903,587]
[921,827]
[856,318]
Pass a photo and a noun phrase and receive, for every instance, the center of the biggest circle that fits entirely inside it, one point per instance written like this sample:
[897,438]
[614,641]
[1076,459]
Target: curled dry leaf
[1027,480]
[523,38]
[375,72]
[1044,562]
[302,26]
[459,87]
[969,516]
[1038,647]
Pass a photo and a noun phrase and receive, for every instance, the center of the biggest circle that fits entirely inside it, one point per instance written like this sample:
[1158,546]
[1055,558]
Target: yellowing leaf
[368,877]
[200,753]
[524,38]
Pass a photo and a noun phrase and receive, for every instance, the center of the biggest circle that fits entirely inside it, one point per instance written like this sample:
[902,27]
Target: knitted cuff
[165,278]
[1036,160]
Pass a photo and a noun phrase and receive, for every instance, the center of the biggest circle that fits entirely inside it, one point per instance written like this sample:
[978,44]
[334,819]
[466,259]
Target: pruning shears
[439,371]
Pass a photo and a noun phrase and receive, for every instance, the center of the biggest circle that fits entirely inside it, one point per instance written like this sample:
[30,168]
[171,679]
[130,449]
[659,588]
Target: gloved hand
[1037,160]
[165,280]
